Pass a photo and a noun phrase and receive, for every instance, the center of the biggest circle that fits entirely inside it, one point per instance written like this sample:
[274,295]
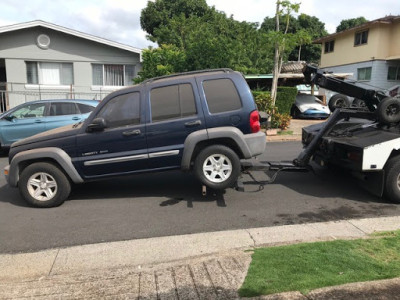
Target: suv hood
[60,132]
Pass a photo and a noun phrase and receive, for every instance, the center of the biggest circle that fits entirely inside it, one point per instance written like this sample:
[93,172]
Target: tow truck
[363,140]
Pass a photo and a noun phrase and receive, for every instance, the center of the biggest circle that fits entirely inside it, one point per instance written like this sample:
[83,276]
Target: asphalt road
[171,203]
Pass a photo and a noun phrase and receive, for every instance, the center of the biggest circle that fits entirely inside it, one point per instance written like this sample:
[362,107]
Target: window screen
[123,110]
[361,38]
[364,73]
[172,101]
[221,95]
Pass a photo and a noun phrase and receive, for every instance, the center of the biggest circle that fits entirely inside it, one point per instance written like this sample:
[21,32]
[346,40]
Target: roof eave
[76,33]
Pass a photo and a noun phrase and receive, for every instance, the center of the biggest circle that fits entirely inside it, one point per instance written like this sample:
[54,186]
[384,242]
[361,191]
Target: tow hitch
[271,169]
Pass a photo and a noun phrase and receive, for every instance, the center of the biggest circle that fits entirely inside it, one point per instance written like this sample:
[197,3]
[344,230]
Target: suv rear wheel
[44,185]
[217,167]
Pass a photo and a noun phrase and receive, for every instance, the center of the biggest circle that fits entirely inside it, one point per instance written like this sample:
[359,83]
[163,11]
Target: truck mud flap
[372,182]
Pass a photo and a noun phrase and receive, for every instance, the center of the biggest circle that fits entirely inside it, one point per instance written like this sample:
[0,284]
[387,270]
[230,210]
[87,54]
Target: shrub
[264,103]
[285,98]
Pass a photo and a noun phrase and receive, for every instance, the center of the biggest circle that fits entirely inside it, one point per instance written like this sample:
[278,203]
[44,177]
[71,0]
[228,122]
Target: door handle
[193,123]
[132,132]
[38,121]
[76,118]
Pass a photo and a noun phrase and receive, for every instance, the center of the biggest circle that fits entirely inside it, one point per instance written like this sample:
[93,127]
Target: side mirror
[9,118]
[263,117]
[97,124]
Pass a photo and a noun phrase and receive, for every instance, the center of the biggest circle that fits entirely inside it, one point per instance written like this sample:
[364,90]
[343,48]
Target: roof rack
[225,70]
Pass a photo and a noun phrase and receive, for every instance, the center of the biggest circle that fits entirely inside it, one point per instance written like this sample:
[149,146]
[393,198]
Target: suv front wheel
[43,184]
[217,167]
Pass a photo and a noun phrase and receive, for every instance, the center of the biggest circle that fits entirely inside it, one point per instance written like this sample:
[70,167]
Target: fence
[13,94]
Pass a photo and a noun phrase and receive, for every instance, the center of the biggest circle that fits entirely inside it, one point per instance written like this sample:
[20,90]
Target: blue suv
[204,121]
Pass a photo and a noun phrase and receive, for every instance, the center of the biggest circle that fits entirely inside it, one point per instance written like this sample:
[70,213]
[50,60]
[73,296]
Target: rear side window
[221,95]
[62,109]
[84,109]
[170,102]
[122,110]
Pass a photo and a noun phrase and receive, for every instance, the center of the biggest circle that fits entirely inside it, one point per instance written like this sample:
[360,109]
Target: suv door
[121,147]
[23,122]
[175,112]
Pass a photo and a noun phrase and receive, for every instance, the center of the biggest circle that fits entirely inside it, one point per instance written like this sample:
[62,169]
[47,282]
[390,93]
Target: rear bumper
[256,143]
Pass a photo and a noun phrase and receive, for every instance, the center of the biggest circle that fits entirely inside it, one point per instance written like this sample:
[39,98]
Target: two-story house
[371,52]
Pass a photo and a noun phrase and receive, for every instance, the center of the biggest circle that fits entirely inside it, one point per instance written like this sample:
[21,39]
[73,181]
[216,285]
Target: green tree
[158,13]
[283,41]
[350,23]
[312,25]
[210,39]
[160,61]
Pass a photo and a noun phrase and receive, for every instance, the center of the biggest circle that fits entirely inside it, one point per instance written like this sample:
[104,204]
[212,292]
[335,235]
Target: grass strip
[308,266]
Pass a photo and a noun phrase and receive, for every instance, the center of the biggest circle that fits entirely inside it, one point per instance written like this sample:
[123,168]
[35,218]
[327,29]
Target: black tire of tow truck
[388,110]
[360,104]
[392,180]
[338,101]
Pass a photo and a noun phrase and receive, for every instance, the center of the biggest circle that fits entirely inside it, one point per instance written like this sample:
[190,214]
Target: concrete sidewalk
[296,125]
[197,266]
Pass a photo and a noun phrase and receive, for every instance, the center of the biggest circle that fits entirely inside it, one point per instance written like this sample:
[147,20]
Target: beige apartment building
[371,52]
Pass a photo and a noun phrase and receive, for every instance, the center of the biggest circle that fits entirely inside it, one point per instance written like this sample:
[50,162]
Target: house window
[329,46]
[393,73]
[364,73]
[361,38]
[49,73]
[113,75]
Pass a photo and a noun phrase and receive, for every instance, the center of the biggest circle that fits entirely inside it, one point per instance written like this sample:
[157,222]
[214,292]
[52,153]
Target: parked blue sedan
[34,117]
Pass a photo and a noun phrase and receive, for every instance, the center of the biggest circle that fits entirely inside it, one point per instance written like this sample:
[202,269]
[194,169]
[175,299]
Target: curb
[174,248]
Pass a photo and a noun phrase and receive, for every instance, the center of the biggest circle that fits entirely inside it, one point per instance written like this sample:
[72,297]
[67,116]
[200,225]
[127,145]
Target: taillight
[255,121]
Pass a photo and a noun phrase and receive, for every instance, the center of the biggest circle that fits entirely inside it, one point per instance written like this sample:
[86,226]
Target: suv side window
[123,110]
[221,95]
[61,109]
[174,101]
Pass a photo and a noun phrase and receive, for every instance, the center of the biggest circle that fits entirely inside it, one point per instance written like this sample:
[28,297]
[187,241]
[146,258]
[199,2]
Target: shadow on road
[173,187]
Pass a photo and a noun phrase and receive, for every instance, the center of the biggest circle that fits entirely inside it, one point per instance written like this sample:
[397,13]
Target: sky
[119,20]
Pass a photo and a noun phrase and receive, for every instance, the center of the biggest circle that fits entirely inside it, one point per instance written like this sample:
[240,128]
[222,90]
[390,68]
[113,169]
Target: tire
[388,110]
[217,167]
[44,185]
[359,104]
[392,179]
[338,101]
[294,112]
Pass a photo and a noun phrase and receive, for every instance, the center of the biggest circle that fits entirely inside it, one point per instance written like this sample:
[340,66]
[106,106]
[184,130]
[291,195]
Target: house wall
[379,46]
[378,75]
[19,46]
[394,42]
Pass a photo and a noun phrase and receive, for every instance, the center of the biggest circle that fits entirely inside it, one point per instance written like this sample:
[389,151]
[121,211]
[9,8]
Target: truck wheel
[392,179]
[217,167]
[388,110]
[44,185]
[338,101]
[360,104]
